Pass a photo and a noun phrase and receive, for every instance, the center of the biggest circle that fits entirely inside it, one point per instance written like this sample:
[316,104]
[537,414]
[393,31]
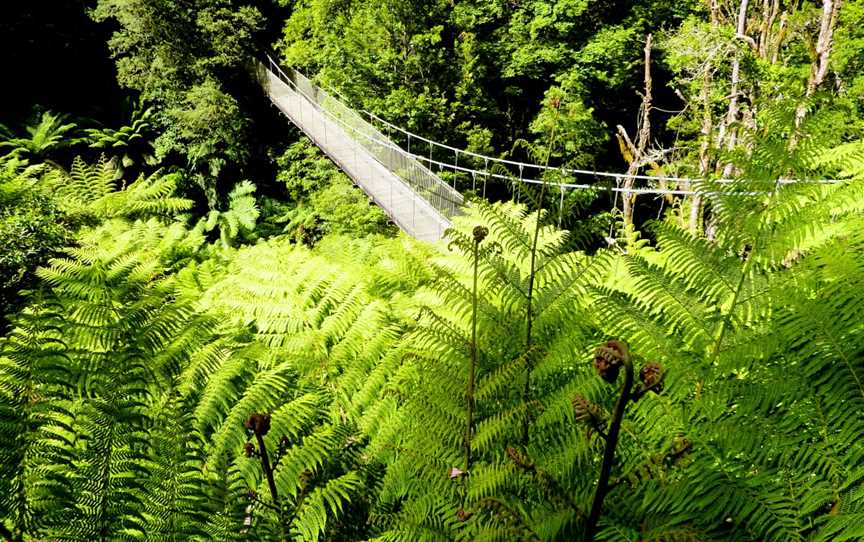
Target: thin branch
[750,41]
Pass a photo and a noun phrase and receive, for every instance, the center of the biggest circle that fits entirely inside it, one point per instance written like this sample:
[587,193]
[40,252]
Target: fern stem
[529,312]
[472,374]
[268,469]
[745,269]
[271,482]
[609,451]
[721,334]
[105,478]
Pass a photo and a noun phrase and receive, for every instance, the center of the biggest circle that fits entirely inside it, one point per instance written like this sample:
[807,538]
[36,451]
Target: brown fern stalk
[611,445]
[260,426]
[268,470]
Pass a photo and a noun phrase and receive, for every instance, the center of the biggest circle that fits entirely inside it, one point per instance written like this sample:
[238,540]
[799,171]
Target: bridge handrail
[423,181]
[385,142]
[570,171]
[430,185]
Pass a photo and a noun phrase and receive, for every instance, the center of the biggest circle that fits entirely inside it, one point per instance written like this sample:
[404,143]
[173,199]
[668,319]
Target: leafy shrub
[323,199]
[33,229]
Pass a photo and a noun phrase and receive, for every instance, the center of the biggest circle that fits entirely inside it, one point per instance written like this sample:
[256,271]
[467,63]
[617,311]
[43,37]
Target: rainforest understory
[208,332]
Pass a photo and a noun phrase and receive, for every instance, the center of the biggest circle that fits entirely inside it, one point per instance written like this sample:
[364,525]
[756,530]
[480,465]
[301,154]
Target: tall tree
[186,59]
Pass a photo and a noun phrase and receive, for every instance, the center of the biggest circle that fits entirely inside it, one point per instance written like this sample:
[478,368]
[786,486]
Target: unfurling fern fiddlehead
[259,424]
[610,358]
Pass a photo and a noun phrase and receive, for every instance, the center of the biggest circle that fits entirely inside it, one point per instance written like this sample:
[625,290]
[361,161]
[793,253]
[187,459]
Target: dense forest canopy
[208,332]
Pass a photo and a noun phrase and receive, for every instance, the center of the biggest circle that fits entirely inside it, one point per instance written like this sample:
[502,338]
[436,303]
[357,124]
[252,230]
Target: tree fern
[129,143]
[50,132]
[762,322]
[392,376]
[93,190]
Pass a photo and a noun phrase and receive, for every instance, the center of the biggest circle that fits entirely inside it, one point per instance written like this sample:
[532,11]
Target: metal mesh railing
[443,198]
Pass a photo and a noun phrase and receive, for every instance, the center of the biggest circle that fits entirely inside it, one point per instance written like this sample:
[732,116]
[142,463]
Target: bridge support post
[485,175]
[561,207]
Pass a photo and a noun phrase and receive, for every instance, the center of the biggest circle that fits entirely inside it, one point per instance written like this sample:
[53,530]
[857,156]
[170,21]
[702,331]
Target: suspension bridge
[396,168]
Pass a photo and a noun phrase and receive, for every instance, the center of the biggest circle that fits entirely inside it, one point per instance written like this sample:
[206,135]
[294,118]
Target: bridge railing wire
[383,146]
[528,171]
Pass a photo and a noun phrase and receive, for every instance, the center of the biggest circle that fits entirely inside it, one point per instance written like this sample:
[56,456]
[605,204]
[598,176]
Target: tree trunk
[819,68]
[704,150]
[642,138]
[714,7]
[770,8]
[781,35]
[726,137]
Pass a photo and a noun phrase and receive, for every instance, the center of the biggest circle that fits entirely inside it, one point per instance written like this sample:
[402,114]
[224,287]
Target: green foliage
[847,64]
[92,192]
[147,356]
[239,220]
[735,321]
[323,200]
[33,228]
[538,32]
[728,82]
[131,143]
[438,392]
[127,382]
[42,207]
[418,501]
[206,127]
[182,60]
[48,134]
[450,70]
[564,112]
[387,52]
[109,341]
